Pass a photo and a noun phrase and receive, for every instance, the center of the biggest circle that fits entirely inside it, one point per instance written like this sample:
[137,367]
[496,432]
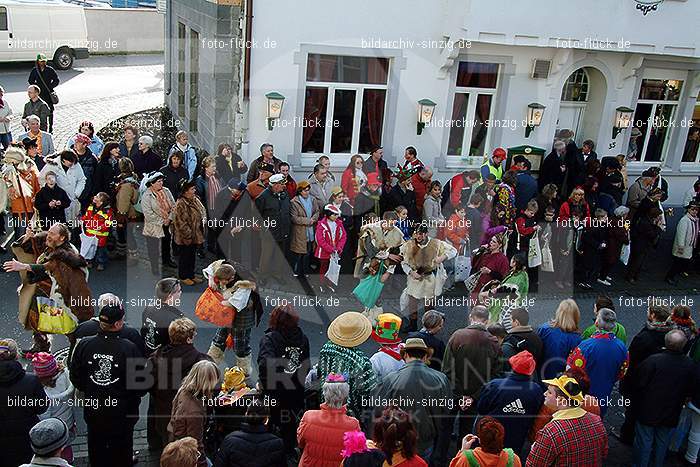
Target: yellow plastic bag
[54,319]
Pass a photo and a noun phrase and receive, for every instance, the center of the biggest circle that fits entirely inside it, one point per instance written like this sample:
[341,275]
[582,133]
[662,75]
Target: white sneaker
[604,282]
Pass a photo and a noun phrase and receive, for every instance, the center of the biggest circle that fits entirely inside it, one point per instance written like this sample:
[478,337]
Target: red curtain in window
[313,107]
[374,107]
[377,70]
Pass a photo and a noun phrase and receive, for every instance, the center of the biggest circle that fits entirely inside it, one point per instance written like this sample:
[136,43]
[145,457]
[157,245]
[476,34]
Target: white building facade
[352,77]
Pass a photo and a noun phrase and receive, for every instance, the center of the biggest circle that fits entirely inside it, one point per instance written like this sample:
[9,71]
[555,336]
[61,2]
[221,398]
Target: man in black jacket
[402,194]
[46,78]
[157,316]
[663,382]
[553,168]
[521,337]
[276,223]
[106,368]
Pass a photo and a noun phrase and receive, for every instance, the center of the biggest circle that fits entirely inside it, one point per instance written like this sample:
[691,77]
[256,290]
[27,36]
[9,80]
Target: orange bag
[210,309]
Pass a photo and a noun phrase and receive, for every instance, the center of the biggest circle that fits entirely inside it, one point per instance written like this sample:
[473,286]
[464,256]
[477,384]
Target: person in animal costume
[50,266]
[20,184]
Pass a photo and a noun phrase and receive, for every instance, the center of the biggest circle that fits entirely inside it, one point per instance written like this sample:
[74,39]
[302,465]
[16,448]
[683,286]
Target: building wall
[216,102]
[124,30]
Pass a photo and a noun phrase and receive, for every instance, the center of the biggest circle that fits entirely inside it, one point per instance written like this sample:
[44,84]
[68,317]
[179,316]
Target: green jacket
[619,332]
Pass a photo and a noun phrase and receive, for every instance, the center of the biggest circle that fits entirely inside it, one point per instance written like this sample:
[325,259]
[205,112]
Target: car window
[3,18]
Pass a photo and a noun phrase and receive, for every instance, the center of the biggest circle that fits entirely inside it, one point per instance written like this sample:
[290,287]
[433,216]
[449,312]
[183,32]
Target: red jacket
[291,187]
[565,212]
[325,245]
[420,188]
[97,223]
[347,183]
[456,230]
[456,185]
[320,435]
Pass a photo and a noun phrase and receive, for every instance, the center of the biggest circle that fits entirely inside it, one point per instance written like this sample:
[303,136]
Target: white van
[53,28]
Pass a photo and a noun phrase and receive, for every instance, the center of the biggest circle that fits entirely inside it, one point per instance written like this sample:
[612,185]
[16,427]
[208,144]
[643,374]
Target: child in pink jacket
[330,239]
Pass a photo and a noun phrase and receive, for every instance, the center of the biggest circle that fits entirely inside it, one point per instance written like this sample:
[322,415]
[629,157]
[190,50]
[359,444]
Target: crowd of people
[513,392]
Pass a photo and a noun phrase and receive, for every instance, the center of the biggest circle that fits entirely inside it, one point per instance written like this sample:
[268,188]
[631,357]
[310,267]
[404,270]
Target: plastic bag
[88,246]
[440,279]
[210,309]
[534,255]
[333,273]
[547,260]
[625,254]
[53,318]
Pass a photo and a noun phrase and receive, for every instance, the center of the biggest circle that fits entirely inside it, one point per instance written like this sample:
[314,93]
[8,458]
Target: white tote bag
[625,254]
[534,256]
[463,267]
[333,273]
[547,260]
[88,246]
[440,279]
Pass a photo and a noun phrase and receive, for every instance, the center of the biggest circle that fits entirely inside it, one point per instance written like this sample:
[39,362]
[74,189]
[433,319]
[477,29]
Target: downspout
[248,41]
[169,45]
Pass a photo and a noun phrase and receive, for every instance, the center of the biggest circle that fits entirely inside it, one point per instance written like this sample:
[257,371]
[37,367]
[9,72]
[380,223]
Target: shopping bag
[403,302]
[440,279]
[547,260]
[625,254]
[333,273]
[534,255]
[53,318]
[210,309]
[463,267]
[370,288]
[88,245]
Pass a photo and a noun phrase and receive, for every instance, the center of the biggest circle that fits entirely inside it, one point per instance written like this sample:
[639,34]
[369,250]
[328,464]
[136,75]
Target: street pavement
[102,89]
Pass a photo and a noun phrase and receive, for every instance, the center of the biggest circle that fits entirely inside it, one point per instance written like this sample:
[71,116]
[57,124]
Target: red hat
[499,152]
[83,138]
[45,365]
[373,179]
[523,363]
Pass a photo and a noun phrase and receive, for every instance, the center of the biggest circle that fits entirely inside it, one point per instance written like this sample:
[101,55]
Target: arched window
[576,87]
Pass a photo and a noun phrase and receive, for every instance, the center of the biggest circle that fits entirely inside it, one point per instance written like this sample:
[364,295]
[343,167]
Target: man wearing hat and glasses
[105,368]
[574,436]
[418,382]
[48,438]
[273,210]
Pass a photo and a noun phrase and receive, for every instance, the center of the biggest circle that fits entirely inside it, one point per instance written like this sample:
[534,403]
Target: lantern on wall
[274,108]
[623,120]
[535,111]
[426,109]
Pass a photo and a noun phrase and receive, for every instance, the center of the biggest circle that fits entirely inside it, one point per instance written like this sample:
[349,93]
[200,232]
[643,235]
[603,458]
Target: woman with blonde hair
[189,414]
[559,338]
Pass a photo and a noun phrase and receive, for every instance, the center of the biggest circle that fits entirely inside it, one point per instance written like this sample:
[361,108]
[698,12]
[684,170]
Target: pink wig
[353,441]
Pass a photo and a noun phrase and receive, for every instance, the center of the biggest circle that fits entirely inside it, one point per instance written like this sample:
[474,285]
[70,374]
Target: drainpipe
[168,45]
[248,40]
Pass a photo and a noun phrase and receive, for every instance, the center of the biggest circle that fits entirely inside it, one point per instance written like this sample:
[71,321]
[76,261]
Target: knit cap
[45,365]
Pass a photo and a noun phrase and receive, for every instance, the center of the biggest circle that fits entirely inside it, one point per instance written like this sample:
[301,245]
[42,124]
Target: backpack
[473,462]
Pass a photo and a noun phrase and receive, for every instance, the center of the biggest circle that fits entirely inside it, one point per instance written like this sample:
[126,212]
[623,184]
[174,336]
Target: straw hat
[350,329]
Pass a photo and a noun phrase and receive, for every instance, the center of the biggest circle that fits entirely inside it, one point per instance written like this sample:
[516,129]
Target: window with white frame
[576,87]
[472,109]
[344,104]
[654,117]
[691,151]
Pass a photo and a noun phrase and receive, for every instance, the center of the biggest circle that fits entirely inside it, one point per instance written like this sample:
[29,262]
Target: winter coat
[556,347]
[47,214]
[188,221]
[565,212]
[473,344]
[47,146]
[618,235]
[146,162]
[130,153]
[232,172]
[514,401]
[525,189]
[105,174]
[18,418]
[398,197]
[60,394]
[88,162]
[664,381]
[98,223]
[189,161]
[321,191]
[47,80]
[202,186]
[432,212]
[417,381]
[521,338]
[350,184]
[96,145]
[126,197]
[644,235]
[420,188]
[168,366]
[252,446]
[686,237]
[320,435]
[647,342]
[101,368]
[325,245]
[154,325]
[254,173]
[153,221]
[434,343]
[274,208]
[188,418]
[91,327]
[5,112]
[552,171]
[636,193]
[283,362]
[72,181]
[41,109]
[300,222]
[173,177]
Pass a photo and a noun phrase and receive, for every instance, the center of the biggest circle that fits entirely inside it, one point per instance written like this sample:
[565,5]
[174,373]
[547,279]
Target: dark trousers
[637,257]
[678,265]
[111,444]
[302,263]
[51,121]
[186,261]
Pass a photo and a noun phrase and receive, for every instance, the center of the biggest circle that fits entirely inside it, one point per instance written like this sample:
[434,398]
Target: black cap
[29,142]
[265,167]
[111,313]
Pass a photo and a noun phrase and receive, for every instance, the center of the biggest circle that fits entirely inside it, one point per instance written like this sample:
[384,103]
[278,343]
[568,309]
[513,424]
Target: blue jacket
[556,347]
[525,189]
[605,359]
[514,401]
[190,161]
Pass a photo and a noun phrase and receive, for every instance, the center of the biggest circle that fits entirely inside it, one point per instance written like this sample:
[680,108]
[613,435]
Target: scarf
[214,187]
[392,350]
[163,203]
[307,204]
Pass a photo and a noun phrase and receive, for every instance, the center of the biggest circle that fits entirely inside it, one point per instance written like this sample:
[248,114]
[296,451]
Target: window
[3,18]
[576,87]
[691,151]
[654,116]
[194,79]
[471,109]
[181,69]
[344,104]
